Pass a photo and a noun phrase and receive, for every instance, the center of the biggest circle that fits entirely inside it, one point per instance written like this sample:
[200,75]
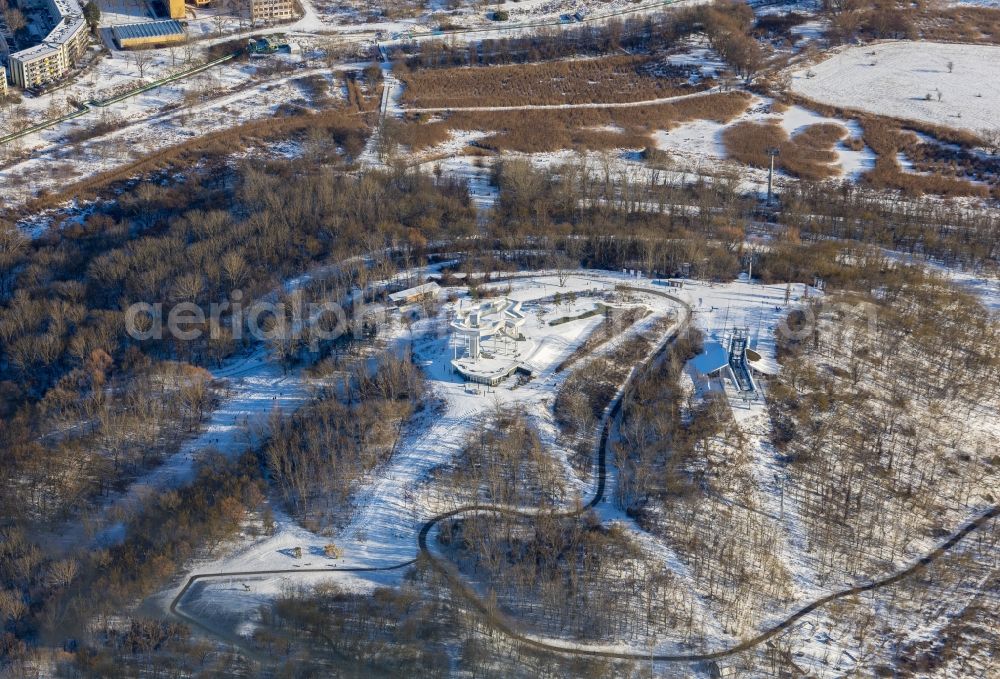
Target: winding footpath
[507,627]
[558,107]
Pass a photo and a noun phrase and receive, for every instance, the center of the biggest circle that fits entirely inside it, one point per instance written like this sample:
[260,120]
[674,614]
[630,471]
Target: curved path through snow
[502,624]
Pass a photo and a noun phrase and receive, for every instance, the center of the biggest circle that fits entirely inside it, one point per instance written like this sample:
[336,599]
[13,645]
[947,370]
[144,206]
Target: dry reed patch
[886,137]
[594,129]
[964,138]
[808,155]
[418,131]
[888,140]
[362,99]
[951,161]
[612,80]
[855,143]
[960,24]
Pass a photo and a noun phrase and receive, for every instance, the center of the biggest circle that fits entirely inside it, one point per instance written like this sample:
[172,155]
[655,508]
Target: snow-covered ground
[852,163]
[703,138]
[718,308]
[425,18]
[985,287]
[476,172]
[155,120]
[241,92]
[159,118]
[821,642]
[257,388]
[902,80]
[696,147]
[392,504]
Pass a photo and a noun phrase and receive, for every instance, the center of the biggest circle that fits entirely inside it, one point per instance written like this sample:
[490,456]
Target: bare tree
[15,19]
[991,140]
[221,20]
[142,60]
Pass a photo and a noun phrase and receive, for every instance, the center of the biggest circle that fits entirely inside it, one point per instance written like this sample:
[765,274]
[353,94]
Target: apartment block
[271,11]
[37,65]
[62,48]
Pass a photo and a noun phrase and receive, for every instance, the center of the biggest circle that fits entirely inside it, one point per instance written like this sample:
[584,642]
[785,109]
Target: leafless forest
[636,505]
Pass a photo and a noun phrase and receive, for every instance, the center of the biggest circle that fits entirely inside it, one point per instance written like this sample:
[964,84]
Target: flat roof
[424,289]
[712,358]
[67,7]
[33,53]
[64,31]
[149,29]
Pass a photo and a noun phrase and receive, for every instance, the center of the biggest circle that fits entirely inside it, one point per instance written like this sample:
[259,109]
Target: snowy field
[694,148]
[226,95]
[896,78]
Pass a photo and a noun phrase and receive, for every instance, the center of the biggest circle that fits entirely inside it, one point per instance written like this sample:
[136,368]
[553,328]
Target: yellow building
[176,9]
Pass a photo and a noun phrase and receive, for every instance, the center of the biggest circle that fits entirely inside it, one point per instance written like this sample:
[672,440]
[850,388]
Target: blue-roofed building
[148,34]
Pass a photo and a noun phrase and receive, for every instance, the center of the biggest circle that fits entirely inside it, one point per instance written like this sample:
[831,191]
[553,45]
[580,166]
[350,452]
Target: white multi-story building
[60,9]
[271,11]
[72,37]
[37,65]
[62,48]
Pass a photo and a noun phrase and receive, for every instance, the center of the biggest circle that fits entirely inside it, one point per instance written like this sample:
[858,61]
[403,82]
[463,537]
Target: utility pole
[772,152]
[749,255]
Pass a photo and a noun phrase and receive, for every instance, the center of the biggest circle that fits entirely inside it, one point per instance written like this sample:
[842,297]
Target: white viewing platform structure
[488,342]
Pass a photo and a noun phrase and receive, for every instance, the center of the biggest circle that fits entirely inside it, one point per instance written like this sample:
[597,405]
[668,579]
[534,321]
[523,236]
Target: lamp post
[772,152]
